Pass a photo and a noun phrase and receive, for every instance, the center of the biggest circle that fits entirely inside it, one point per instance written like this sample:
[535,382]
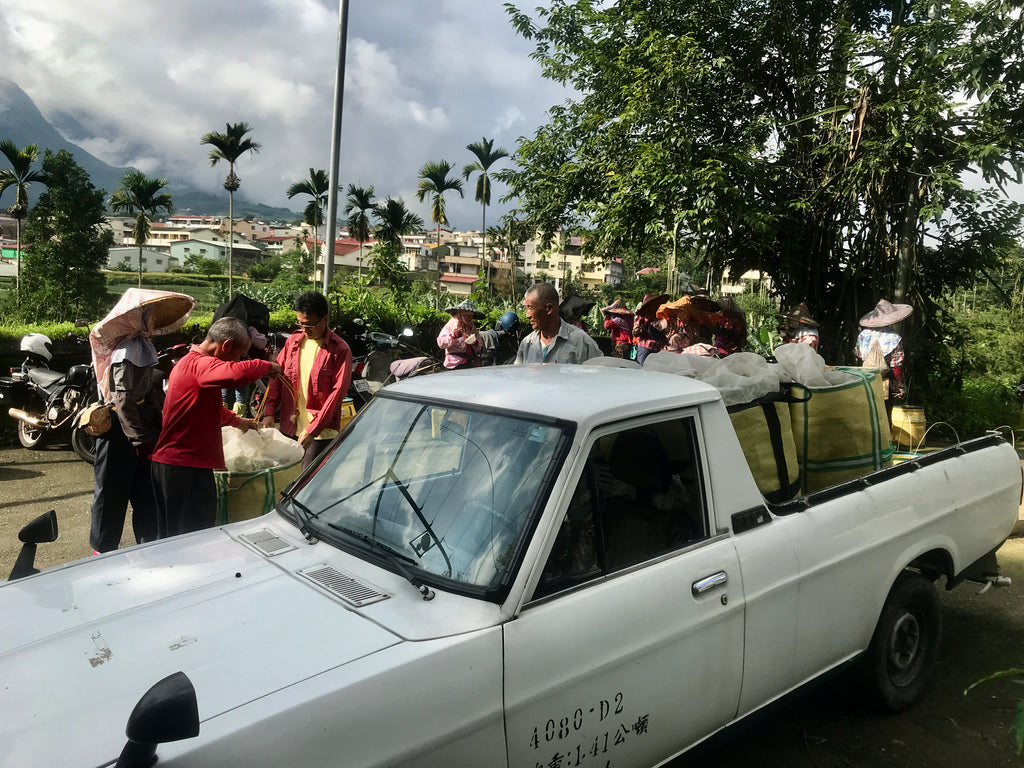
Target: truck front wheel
[901,659]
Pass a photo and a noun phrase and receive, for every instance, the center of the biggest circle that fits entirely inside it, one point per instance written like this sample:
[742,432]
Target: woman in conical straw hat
[459,338]
[880,346]
[649,333]
[798,327]
[619,321]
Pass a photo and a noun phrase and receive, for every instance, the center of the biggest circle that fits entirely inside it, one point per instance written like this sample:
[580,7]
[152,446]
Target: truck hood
[81,643]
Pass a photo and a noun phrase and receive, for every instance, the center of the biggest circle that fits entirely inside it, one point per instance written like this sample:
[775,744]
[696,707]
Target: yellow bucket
[348,412]
[908,426]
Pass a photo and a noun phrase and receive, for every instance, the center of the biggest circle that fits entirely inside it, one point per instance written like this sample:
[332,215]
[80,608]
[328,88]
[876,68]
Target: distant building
[199,221]
[210,249]
[152,260]
[745,283]
[346,253]
[565,259]
[160,236]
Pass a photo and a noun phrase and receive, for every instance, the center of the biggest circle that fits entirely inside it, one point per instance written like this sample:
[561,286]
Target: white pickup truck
[525,566]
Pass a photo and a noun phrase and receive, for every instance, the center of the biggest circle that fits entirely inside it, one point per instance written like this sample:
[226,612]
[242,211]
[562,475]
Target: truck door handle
[701,586]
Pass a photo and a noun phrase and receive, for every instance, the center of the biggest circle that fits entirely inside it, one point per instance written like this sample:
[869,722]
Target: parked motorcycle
[502,343]
[384,363]
[46,403]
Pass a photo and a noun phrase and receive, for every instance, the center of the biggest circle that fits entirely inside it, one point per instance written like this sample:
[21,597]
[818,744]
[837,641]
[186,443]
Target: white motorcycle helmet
[37,344]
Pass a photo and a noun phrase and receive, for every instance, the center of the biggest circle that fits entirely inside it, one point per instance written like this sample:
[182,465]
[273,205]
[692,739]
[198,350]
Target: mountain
[23,123]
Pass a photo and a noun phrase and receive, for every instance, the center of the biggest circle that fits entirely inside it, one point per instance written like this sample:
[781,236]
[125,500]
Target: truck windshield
[447,490]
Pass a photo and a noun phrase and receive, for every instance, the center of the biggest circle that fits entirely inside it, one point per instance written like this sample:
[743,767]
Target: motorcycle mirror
[358,321]
[407,333]
[166,712]
[41,530]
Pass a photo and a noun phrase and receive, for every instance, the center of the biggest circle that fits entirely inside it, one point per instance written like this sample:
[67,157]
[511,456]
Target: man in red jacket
[317,364]
[190,445]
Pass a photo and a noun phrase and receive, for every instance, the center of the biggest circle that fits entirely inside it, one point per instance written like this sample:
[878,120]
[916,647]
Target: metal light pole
[332,192]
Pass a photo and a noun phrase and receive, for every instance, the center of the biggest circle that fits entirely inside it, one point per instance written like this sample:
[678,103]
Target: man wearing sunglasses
[317,366]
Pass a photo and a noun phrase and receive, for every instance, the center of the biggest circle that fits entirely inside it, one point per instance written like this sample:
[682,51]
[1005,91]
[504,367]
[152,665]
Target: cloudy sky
[148,79]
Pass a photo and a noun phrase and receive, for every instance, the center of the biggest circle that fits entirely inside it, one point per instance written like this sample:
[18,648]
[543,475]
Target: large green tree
[65,246]
[141,197]
[819,142]
[229,147]
[358,205]
[20,176]
[486,156]
[316,185]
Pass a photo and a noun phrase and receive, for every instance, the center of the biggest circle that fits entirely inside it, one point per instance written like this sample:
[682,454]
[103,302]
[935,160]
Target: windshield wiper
[392,555]
[419,513]
[304,515]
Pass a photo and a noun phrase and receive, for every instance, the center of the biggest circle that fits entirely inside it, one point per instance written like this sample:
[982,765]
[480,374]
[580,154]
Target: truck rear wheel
[904,651]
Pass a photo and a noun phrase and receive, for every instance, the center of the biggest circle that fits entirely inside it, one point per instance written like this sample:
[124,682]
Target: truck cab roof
[579,393]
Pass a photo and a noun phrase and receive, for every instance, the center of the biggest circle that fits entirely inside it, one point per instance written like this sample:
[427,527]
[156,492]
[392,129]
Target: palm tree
[20,175]
[316,186]
[434,181]
[486,156]
[229,146]
[140,196]
[357,205]
[394,220]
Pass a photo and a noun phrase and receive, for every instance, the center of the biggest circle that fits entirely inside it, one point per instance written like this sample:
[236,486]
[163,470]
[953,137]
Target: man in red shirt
[317,363]
[190,445]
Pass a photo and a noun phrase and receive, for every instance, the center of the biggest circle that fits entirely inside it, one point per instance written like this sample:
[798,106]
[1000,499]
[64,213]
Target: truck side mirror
[41,530]
[166,712]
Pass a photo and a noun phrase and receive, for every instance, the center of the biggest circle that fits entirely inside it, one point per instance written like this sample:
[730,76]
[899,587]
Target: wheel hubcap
[904,647]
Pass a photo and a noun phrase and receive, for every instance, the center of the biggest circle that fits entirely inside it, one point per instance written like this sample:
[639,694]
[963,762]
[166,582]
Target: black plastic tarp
[249,311]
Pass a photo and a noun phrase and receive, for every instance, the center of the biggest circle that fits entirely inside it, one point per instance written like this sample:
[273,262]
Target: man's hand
[246,424]
[305,439]
[267,421]
[275,369]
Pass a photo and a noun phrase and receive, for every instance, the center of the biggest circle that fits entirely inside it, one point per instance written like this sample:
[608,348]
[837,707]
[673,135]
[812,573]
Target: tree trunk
[231,240]
[17,274]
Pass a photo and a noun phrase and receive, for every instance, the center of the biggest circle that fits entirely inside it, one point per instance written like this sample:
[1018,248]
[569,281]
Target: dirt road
[824,728]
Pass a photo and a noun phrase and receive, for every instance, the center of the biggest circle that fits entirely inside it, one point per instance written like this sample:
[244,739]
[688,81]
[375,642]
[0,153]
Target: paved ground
[824,728]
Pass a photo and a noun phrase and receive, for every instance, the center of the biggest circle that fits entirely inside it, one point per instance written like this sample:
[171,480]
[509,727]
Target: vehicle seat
[44,377]
[644,518]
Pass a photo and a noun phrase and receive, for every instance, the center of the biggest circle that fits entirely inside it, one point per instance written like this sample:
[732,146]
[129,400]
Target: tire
[84,445]
[29,436]
[904,650]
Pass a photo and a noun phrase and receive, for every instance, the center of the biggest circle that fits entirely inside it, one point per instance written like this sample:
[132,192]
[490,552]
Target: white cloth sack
[741,378]
[799,363]
[258,449]
[745,376]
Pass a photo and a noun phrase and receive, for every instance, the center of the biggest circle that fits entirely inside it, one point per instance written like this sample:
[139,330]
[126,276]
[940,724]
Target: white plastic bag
[258,449]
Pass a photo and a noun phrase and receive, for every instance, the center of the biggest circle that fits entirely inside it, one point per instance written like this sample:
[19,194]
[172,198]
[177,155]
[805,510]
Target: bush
[980,405]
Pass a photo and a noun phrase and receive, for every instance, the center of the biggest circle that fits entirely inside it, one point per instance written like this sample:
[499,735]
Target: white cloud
[423,80]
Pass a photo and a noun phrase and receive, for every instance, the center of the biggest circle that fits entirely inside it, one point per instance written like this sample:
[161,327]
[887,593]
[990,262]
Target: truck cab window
[639,497]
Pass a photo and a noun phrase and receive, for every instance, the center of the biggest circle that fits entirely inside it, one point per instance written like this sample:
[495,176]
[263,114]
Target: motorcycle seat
[44,377]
